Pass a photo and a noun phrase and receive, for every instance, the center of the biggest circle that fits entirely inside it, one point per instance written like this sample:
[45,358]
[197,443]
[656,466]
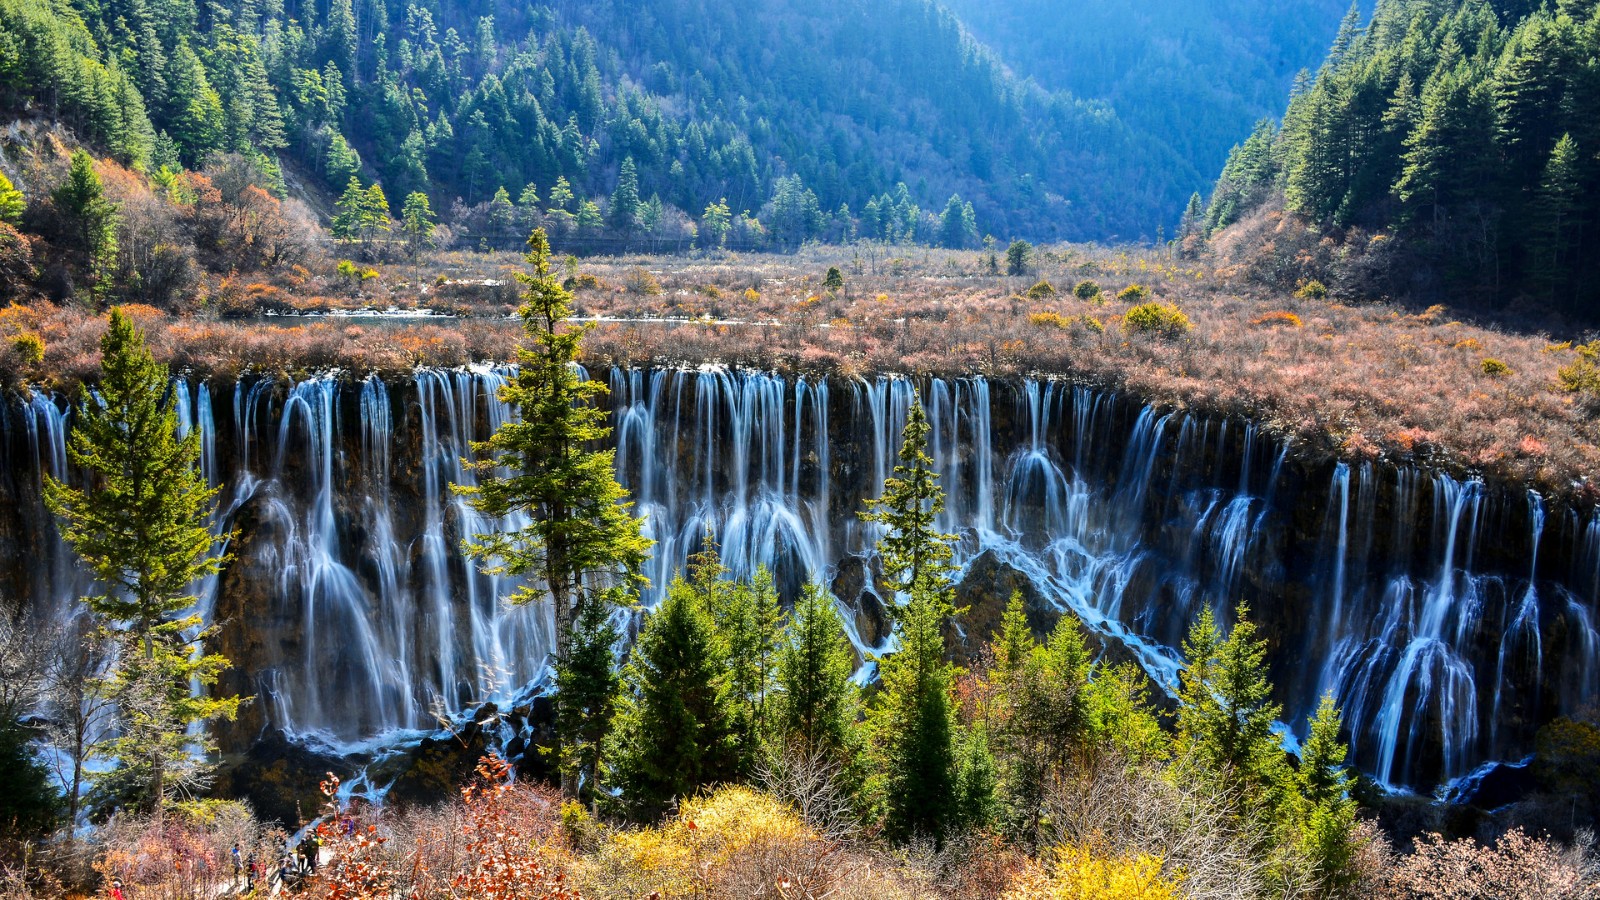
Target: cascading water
[1449,619]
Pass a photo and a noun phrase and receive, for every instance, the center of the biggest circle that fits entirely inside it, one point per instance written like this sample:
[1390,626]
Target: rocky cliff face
[1449,618]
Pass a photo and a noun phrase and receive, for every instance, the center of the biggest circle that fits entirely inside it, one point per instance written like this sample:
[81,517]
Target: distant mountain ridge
[710,100]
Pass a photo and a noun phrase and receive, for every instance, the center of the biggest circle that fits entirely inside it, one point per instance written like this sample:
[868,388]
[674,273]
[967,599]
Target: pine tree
[1120,715]
[715,223]
[12,202]
[913,723]
[674,728]
[912,549]
[1014,641]
[141,525]
[977,801]
[589,218]
[417,223]
[194,116]
[1019,258]
[374,215]
[1327,822]
[1041,720]
[623,214]
[92,219]
[342,162]
[956,230]
[750,626]
[561,195]
[1225,712]
[587,685]
[582,529]
[816,699]
[346,225]
[1554,204]
[502,217]
[1194,217]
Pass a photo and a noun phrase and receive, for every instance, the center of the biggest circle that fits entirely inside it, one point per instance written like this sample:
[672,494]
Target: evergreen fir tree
[502,217]
[588,685]
[582,529]
[750,625]
[977,802]
[346,225]
[913,723]
[1014,642]
[342,163]
[1225,712]
[1553,209]
[374,215]
[417,223]
[912,549]
[675,726]
[624,211]
[141,525]
[715,223]
[1327,821]
[816,699]
[92,218]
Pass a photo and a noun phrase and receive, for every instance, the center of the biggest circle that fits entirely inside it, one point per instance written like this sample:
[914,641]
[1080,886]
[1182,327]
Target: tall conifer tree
[141,525]
[582,531]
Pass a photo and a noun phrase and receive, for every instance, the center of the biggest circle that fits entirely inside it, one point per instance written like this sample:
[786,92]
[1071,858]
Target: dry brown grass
[1356,381]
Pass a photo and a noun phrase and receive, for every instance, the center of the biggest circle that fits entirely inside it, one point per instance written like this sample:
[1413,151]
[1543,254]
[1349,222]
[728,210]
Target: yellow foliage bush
[1160,318]
[1049,319]
[1312,290]
[1079,874]
[1582,375]
[1494,368]
[735,842]
[1042,290]
[29,348]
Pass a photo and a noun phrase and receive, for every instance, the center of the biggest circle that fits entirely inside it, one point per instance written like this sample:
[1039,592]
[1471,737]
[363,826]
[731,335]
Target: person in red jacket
[116,890]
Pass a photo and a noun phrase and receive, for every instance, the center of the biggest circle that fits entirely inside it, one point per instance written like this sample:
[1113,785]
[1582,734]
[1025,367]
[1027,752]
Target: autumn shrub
[1276,318]
[1134,293]
[1049,319]
[1312,290]
[29,348]
[641,281]
[185,853]
[734,843]
[1494,368]
[1080,874]
[1043,290]
[1514,867]
[356,867]
[1582,375]
[506,838]
[1164,319]
[1086,290]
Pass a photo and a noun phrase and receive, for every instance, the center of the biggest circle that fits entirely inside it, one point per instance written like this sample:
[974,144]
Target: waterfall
[1448,618]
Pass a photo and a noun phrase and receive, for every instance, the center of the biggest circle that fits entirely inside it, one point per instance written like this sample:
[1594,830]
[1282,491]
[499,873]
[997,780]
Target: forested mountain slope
[1193,75]
[711,100]
[1445,151]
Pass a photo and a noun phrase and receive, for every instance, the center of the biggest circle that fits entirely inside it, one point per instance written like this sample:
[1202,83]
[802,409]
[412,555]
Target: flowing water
[1449,618]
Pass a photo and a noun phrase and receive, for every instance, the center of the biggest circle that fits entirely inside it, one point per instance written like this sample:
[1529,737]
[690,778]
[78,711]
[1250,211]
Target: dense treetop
[1466,131]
